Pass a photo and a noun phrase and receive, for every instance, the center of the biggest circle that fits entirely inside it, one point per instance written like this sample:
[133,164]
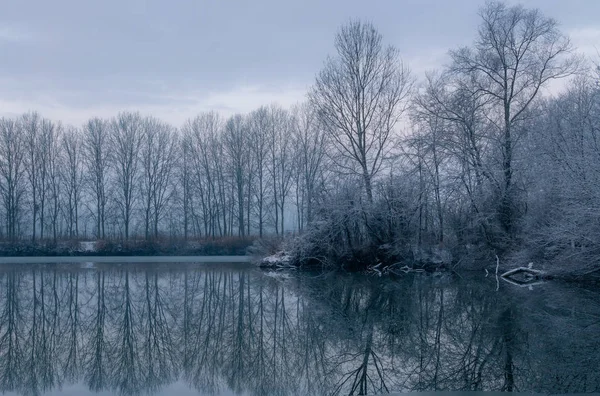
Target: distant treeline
[138,177]
[484,155]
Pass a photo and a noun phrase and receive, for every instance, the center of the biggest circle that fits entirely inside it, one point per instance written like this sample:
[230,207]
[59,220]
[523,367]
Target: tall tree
[55,174]
[359,96]
[184,176]
[72,177]
[12,163]
[44,146]
[452,119]
[126,140]
[158,151]
[201,135]
[31,127]
[518,51]
[236,147]
[259,121]
[310,148]
[280,162]
[97,157]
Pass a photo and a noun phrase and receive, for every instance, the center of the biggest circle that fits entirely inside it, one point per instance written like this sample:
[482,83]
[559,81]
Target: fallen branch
[531,277]
[497,281]
[529,271]
[497,264]
[393,269]
[523,284]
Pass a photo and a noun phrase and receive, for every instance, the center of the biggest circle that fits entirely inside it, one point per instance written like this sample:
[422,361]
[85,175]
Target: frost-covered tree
[359,96]
[517,52]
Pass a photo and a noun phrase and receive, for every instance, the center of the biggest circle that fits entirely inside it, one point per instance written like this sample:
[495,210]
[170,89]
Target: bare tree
[126,139]
[46,155]
[236,147]
[39,136]
[259,129]
[359,96]
[157,156]
[97,157]
[428,155]
[200,136]
[280,162]
[184,187]
[450,114]
[310,148]
[518,51]
[31,128]
[72,177]
[12,163]
[219,155]
[55,174]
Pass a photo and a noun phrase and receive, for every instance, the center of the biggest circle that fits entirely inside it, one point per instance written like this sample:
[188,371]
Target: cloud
[587,41]
[244,99]
[426,59]
[14,34]
[174,107]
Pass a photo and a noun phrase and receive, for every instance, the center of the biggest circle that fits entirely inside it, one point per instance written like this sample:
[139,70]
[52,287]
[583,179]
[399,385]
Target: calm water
[223,330]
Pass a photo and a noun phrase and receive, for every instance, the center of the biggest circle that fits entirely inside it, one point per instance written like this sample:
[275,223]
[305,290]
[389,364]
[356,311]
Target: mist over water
[222,330]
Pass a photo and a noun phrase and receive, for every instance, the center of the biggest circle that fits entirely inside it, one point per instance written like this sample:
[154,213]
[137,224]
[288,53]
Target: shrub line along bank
[229,246]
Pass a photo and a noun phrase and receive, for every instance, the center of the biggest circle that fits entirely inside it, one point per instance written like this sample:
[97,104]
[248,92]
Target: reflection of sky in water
[178,388]
[189,329]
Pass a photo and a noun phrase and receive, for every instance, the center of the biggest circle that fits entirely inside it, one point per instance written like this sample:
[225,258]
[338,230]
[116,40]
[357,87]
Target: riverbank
[225,246]
[122,259]
[525,270]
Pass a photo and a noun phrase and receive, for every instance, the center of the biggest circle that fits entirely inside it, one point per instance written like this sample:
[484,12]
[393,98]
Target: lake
[224,329]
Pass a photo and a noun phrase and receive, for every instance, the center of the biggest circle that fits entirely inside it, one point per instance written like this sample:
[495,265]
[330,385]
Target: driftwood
[523,270]
[524,284]
[392,269]
[406,269]
[524,276]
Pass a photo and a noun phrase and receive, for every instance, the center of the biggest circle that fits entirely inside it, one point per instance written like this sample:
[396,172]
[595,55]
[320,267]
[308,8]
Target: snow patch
[278,275]
[279,259]
[88,246]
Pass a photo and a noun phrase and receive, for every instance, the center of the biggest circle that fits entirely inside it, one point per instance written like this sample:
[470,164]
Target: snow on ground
[277,259]
[87,246]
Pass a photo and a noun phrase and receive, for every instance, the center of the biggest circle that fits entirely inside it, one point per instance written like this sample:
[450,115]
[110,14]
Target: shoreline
[123,259]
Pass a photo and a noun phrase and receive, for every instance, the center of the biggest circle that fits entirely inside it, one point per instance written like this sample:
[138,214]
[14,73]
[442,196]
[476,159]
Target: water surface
[124,259]
[215,329]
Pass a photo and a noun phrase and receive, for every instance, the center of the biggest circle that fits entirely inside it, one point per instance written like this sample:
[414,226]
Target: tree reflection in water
[138,329]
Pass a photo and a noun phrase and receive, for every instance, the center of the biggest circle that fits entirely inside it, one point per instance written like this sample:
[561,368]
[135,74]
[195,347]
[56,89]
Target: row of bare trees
[136,176]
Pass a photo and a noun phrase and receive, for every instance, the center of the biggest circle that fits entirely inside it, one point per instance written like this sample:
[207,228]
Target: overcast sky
[73,59]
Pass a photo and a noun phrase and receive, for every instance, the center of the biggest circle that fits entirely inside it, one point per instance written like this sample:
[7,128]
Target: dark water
[191,329]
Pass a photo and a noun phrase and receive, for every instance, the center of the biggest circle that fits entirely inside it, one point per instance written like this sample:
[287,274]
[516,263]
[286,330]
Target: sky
[72,59]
